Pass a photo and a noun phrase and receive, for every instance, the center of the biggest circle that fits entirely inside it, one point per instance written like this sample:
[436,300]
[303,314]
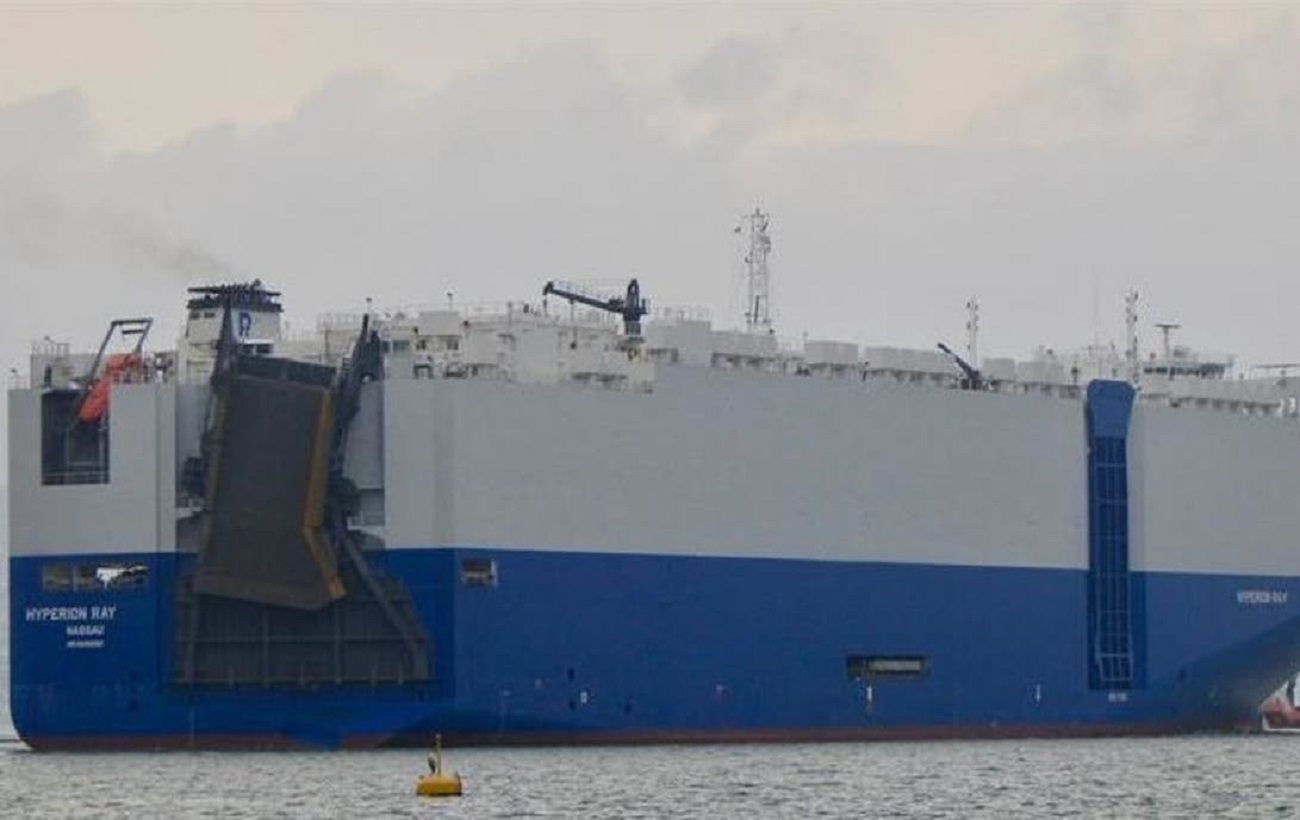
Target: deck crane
[630,306]
[972,379]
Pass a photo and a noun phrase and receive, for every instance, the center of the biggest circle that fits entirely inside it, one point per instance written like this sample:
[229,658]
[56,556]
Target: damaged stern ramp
[281,592]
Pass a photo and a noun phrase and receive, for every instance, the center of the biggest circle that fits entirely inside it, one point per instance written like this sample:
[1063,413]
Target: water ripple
[1171,777]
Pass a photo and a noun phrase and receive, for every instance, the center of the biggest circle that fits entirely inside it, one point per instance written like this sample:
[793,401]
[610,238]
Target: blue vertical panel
[1113,661]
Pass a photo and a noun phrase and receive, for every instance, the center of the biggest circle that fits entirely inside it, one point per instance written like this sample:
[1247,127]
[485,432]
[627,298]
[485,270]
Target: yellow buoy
[436,783]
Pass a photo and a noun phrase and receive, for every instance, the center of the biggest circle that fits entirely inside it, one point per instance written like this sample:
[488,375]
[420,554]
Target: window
[121,576]
[864,667]
[478,572]
[93,577]
[73,451]
[56,578]
[83,578]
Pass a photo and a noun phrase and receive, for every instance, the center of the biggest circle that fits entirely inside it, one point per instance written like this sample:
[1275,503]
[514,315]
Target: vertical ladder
[1113,661]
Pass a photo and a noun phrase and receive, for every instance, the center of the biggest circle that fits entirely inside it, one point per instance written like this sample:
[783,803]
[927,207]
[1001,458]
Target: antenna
[973,331]
[1096,311]
[1165,329]
[1131,336]
[758,304]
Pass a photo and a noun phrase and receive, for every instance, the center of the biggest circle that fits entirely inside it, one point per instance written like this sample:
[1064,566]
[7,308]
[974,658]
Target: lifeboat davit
[120,367]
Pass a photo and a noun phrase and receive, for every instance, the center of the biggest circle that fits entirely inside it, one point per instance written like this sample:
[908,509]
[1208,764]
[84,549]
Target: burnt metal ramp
[265,539]
[350,642]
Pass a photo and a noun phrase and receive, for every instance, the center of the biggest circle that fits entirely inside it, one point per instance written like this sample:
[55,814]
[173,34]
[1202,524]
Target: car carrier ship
[571,520]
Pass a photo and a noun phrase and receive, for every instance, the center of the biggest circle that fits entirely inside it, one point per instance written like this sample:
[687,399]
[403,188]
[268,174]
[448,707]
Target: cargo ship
[577,520]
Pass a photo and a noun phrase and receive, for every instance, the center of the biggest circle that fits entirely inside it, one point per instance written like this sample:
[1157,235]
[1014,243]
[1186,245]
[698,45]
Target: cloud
[1089,97]
[537,169]
[735,70]
[50,136]
[1156,78]
[55,237]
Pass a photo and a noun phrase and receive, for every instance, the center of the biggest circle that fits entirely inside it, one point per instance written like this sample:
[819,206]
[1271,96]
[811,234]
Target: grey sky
[1041,157]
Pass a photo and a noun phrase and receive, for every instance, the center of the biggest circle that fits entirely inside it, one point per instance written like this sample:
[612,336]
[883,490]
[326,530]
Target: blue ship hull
[599,647]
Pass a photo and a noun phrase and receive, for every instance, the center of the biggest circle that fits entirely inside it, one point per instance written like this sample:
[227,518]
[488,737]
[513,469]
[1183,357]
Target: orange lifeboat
[120,367]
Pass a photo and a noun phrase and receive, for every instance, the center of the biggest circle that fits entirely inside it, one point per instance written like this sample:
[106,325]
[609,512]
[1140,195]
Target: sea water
[1233,776]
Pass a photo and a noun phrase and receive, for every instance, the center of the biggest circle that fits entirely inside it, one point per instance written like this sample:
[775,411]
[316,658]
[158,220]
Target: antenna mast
[1131,336]
[973,331]
[1165,329]
[758,304]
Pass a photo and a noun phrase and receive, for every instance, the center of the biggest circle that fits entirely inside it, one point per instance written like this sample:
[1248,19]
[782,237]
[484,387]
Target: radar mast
[758,304]
[973,331]
[1131,356]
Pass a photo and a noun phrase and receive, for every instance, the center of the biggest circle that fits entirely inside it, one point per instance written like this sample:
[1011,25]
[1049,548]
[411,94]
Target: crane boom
[971,378]
[630,306]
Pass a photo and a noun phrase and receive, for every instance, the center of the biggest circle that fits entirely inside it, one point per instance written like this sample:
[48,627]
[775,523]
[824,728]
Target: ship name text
[1262,597]
[71,613]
